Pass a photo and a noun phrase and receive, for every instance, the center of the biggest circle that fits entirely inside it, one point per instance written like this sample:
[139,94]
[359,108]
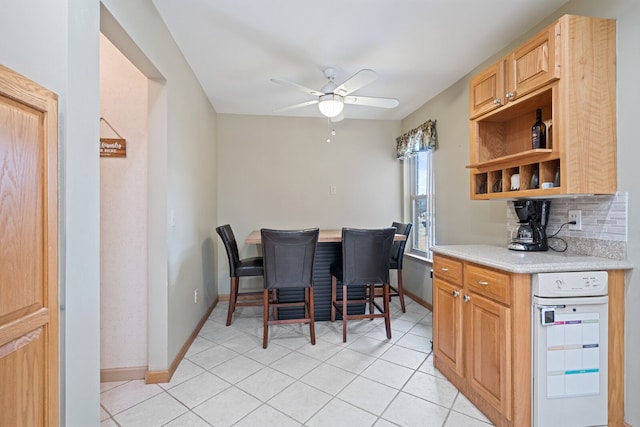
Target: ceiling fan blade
[355,82]
[369,101]
[298,87]
[294,106]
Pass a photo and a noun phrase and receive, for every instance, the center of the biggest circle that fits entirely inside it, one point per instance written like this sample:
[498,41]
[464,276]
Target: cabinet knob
[455,294]
[466,298]
[483,283]
[510,95]
[497,101]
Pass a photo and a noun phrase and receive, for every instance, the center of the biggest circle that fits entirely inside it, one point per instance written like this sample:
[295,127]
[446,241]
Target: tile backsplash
[604,225]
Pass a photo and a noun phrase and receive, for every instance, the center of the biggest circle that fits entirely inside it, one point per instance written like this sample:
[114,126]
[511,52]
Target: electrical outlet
[195,296]
[576,216]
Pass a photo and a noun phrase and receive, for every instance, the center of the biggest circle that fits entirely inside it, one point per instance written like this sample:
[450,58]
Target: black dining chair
[289,256]
[365,264]
[245,267]
[395,261]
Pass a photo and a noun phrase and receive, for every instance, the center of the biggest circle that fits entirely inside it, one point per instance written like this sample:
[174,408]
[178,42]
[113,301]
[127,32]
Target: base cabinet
[447,297]
[474,338]
[482,338]
[487,353]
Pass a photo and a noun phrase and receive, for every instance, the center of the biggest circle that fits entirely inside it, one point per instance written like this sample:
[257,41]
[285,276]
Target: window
[422,203]
[416,148]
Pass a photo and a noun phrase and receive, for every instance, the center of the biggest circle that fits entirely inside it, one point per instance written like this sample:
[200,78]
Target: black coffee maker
[531,233]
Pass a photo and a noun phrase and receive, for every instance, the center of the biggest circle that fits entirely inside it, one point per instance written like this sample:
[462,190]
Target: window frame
[411,185]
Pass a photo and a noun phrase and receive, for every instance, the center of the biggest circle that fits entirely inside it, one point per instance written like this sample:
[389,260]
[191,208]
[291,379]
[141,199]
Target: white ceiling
[417,47]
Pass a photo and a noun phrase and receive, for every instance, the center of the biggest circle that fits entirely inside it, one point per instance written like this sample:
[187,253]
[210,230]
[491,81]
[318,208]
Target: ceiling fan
[332,97]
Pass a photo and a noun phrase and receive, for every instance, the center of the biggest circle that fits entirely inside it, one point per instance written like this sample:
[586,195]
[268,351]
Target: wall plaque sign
[113,147]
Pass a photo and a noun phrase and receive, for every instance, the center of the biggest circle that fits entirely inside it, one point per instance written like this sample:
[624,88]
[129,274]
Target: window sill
[419,258]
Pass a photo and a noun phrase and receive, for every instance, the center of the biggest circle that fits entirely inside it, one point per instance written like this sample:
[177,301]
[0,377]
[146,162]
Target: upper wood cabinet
[535,63]
[487,90]
[568,71]
[531,66]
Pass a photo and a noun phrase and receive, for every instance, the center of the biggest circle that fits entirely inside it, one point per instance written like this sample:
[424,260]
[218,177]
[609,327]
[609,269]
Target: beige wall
[627,15]
[64,35]
[460,220]
[55,43]
[123,214]
[182,181]
[276,172]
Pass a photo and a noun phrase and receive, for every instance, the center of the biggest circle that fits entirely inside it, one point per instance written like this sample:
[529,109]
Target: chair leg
[372,294]
[387,317]
[274,297]
[344,313]
[401,291]
[233,295]
[312,326]
[265,318]
[334,299]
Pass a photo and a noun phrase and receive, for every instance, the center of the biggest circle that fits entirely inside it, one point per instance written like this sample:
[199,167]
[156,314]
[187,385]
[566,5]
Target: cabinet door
[447,323]
[535,63]
[487,328]
[486,90]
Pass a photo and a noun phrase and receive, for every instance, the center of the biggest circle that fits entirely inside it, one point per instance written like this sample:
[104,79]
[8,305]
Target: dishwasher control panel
[569,284]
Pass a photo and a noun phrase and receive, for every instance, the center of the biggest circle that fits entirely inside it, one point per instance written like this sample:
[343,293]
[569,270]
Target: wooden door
[488,353]
[28,253]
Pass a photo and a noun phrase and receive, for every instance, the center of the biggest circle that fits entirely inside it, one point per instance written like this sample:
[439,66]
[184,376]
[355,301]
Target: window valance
[422,138]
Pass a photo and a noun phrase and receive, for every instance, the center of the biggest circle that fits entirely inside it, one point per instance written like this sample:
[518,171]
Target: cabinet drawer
[447,268]
[487,282]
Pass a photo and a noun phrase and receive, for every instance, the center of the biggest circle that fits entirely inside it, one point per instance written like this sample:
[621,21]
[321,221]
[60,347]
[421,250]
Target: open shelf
[499,182]
[512,158]
[501,149]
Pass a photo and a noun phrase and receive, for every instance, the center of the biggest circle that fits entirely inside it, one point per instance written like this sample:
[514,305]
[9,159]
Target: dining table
[328,251]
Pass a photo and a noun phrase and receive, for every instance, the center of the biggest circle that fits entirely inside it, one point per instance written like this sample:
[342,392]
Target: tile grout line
[415,320]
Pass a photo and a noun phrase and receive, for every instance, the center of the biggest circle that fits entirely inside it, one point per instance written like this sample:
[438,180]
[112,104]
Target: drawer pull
[445,269]
[466,298]
[455,294]
[483,283]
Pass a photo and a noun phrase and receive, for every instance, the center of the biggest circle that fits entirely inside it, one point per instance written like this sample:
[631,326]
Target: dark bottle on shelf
[556,178]
[539,132]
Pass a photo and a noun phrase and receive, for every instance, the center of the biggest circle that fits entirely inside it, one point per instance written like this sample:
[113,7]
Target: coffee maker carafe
[531,233]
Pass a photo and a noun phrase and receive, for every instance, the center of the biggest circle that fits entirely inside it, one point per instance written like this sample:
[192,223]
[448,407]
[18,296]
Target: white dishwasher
[570,352]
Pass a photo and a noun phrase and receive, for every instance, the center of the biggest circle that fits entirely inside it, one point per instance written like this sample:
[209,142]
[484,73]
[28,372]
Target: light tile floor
[228,379]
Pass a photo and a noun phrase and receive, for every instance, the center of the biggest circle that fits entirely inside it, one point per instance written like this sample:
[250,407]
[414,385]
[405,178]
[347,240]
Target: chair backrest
[365,255]
[397,250]
[288,257]
[230,245]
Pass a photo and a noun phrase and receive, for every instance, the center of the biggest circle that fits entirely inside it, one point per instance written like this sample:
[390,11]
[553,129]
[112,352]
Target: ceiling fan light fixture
[331,105]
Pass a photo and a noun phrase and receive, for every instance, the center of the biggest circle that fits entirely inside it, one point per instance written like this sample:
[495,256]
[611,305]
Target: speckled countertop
[528,262]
